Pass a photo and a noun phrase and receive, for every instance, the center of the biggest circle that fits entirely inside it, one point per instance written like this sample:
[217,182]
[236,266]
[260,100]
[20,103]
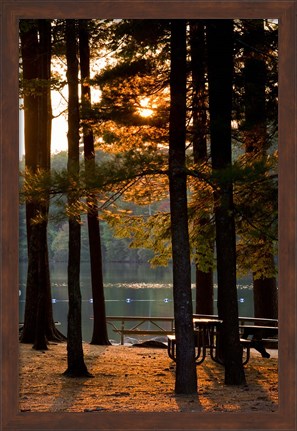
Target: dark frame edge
[11,419]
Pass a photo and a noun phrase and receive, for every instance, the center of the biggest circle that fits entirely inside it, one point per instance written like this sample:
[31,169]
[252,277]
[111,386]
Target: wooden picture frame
[12,11]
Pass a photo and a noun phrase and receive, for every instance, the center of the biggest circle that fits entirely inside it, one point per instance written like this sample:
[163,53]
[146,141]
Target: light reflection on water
[130,290]
[139,285]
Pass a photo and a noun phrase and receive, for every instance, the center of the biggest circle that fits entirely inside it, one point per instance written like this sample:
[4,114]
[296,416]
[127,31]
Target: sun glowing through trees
[146,108]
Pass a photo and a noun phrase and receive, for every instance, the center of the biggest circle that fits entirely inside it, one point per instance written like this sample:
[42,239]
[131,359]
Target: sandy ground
[138,379]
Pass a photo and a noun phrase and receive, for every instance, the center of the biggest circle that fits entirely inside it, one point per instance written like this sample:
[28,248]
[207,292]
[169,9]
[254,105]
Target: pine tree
[76,365]
[35,36]
[255,137]
[204,279]
[220,71]
[186,378]
[100,335]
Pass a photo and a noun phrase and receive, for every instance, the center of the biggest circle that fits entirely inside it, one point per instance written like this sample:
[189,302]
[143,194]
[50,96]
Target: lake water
[130,290]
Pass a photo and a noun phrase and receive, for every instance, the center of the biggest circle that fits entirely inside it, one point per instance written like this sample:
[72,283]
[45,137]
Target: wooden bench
[141,326]
[258,330]
[171,343]
[270,343]
[154,332]
[246,344]
[261,337]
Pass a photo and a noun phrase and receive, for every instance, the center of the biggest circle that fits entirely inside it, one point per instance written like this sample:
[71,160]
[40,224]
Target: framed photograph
[283,416]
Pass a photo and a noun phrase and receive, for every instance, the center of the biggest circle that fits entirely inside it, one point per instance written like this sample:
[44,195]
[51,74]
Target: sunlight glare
[145,111]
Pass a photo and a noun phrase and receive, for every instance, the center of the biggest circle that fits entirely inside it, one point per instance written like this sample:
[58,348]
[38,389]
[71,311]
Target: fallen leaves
[138,379]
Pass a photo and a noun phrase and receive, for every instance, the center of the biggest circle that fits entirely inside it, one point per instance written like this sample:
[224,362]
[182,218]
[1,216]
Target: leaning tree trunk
[204,279]
[220,68]
[186,378]
[75,357]
[255,128]
[100,335]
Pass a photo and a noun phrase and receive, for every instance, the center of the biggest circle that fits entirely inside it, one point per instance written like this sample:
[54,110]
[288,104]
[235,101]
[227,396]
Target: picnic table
[259,336]
[207,337]
[258,331]
[261,331]
[205,333]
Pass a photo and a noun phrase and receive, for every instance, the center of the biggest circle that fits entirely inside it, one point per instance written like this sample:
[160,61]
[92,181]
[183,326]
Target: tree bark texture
[255,133]
[265,298]
[220,69]
[204,280]
[254,87]
[35,38]
[186,377]
[204,292]
[100,334]
[75,356]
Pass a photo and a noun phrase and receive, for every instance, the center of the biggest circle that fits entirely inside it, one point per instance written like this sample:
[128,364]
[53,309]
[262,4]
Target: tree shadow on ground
[67,398]
[262,380]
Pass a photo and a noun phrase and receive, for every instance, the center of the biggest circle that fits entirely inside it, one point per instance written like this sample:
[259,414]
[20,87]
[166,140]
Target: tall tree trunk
[255,75]
[186,377]
[204,280]
[44,118]
[36,56]
[29,51]
[100,335]
[76,365]
[220,70]
[40,341]
[265,297]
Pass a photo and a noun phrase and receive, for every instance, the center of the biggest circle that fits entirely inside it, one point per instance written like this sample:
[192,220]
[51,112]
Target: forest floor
[139,379]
